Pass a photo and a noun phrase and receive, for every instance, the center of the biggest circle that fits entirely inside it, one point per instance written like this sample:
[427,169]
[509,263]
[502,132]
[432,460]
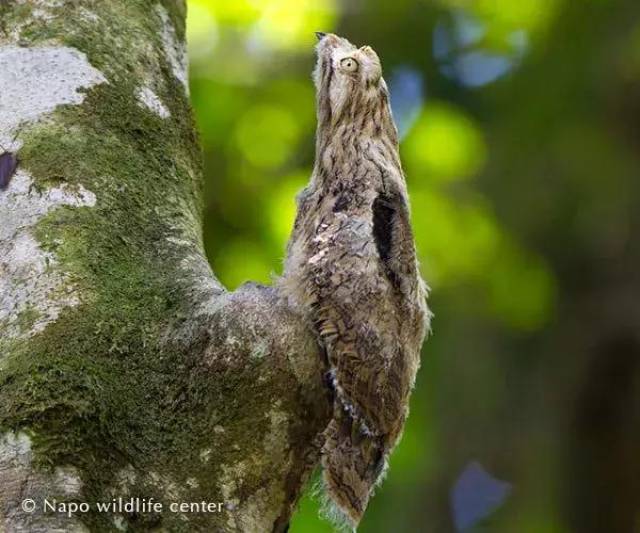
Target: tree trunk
[126,369]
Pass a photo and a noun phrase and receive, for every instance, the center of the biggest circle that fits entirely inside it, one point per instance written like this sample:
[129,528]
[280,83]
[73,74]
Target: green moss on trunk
[109,387]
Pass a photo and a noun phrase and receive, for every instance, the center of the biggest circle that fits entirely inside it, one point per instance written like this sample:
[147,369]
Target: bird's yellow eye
[349,64]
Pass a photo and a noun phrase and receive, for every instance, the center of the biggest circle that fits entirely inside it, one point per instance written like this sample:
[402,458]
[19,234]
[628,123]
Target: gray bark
[126,369]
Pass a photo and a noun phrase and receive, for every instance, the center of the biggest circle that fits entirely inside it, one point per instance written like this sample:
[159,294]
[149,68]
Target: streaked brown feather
[352,269]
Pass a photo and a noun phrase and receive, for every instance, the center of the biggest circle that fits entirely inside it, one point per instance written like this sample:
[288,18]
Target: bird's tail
[353,463]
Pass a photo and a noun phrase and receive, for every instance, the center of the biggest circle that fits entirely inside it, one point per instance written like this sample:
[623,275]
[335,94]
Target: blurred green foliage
[520,144]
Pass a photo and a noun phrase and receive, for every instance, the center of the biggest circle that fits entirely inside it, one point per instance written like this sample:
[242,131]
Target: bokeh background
[520,128]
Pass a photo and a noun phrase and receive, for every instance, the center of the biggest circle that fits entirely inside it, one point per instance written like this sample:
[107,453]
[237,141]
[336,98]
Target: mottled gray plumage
[351,269]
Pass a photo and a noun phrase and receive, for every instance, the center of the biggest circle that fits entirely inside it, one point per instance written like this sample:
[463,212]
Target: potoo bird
[351,269]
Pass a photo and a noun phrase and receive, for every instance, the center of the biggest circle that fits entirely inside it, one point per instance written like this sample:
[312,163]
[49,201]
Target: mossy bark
[126,369]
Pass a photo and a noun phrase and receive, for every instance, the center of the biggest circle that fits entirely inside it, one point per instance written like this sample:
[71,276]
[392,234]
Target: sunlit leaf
[238,12]
[504,16]
[456,241]
[299,96]
[266,135]
[287,23]
[533,15]
[445,145]
[202,30]
[462,242]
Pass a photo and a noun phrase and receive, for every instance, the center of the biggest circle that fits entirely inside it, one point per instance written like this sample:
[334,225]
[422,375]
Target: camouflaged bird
[351,269]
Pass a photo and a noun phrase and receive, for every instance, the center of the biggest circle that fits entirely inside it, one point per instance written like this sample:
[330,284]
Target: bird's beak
[320,35]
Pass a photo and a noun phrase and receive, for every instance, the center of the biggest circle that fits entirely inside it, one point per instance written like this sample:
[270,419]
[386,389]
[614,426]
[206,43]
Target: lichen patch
[29,279]
[150,100]
[34,83]
[36,80]
[67,478]
[15,448]
[43,10]
[174,49]
[16,464]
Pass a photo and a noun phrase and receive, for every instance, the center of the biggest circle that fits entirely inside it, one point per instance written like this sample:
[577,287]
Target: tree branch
[126,369]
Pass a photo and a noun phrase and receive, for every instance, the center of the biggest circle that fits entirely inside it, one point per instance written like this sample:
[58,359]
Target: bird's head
[348,80]
[350,67]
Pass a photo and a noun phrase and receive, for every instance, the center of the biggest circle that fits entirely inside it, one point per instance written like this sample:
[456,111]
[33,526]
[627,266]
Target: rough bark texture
[126,369]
